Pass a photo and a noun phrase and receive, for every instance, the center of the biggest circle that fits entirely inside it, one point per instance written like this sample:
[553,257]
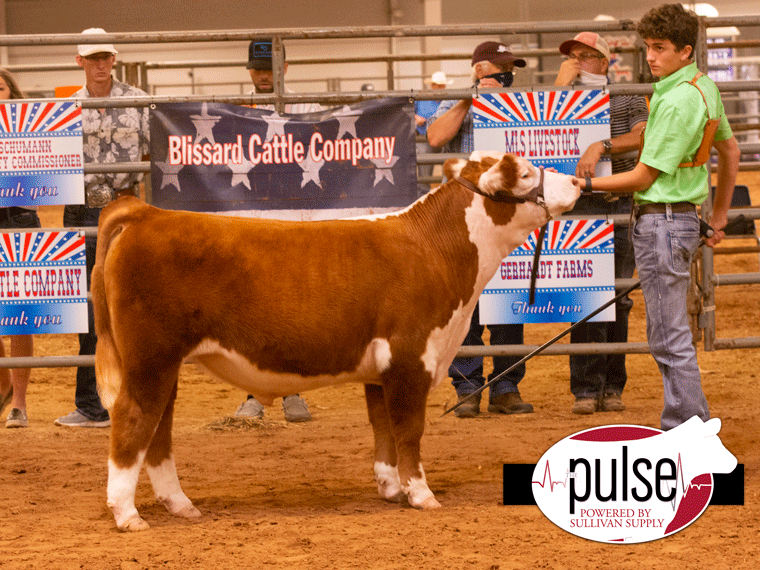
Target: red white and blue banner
[41,154]
[43,283]
[576,276]
[549,128]
[349,160]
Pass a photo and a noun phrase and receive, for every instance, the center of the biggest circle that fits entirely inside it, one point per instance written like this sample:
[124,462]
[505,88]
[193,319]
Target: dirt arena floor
[278,495]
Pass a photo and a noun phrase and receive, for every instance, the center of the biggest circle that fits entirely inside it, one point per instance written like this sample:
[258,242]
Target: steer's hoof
[397,498]
[189,512]
[135,524]
[428,503]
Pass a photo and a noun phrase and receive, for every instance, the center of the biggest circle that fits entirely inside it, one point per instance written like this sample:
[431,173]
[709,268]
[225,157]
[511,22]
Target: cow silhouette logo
[630,484]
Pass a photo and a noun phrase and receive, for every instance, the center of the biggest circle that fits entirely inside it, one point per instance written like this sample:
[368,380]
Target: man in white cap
[451,127]
[597,380]
[109,135]
[423,110]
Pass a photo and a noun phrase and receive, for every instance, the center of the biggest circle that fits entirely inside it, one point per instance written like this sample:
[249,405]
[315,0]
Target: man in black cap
[260,67]
[451,127]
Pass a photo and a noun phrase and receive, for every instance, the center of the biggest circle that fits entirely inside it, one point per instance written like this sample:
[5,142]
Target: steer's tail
[108,366]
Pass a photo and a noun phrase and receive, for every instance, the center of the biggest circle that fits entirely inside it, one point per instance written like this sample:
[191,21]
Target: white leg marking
[122,484]
[420,495]
[168,490]
[388,484]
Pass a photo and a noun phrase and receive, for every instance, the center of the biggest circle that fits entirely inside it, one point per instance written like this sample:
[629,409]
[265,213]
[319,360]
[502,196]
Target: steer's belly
[266,385]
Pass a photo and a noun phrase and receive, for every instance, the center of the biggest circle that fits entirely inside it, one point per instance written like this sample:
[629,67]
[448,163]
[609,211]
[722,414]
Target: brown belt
[676,207]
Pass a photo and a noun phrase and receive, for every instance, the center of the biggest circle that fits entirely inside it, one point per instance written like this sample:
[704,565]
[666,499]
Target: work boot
[509,403]
[612,403]
[470,408]
[584,406]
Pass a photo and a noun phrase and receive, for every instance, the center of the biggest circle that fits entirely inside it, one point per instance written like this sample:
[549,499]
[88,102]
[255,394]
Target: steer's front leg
[406,393]
[386,469]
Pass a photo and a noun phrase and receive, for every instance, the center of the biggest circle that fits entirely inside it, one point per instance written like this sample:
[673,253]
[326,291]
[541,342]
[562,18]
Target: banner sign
[41,154]
[576,276]
[43,283]
[549,128]
[350,160]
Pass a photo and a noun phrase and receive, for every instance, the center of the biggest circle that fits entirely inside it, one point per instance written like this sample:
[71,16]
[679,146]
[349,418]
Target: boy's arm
[728,165]
[636,180]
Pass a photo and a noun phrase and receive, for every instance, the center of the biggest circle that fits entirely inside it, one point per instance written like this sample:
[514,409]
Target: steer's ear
[453,167]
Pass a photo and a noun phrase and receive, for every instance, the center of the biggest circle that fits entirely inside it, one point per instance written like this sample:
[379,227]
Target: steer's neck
[469,231]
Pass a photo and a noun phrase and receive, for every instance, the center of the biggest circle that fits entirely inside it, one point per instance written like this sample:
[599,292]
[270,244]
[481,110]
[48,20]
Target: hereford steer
[277,308]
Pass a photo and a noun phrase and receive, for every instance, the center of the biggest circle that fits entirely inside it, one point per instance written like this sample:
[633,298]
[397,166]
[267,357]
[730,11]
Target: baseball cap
[496,53]
[88,49]
[589,39]
[260,54]
[438,78]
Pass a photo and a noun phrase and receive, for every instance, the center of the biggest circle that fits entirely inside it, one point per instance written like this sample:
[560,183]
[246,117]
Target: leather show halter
[535,195]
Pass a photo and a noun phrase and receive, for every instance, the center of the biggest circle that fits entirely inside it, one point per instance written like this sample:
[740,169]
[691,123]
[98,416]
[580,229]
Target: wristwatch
[607,144]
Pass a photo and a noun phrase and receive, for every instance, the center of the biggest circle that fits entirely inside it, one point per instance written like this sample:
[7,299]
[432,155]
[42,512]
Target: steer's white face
[560,190]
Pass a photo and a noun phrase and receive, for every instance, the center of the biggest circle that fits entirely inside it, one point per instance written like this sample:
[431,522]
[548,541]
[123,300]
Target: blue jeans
[86,396]
[594,375]
[664,245]
[467,373]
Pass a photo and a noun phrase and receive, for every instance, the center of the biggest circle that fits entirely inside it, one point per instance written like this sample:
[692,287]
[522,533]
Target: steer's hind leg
[159,463]
[386,468]
[405,390]
[140,405]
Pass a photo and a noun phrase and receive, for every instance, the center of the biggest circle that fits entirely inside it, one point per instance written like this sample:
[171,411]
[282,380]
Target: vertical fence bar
[278,72]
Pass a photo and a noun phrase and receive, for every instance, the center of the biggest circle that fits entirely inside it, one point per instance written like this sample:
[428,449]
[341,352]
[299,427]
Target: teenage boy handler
[686,118]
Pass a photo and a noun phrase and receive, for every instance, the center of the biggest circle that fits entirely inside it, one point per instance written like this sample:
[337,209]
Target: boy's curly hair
[670,22]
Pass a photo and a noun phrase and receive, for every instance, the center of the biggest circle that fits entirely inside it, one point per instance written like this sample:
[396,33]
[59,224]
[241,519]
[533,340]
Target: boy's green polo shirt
[676,125]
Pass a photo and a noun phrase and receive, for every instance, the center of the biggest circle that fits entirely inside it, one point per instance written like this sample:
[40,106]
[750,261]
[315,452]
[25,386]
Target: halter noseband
[535,195]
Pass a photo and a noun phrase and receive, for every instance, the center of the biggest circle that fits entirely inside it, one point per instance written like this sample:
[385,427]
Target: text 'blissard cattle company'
[282,149]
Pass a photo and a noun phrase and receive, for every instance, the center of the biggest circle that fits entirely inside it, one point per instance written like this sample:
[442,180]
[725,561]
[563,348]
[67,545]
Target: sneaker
[251,408]
[16,419]
[612,403]
[509,403]
[295,409]
[5,400]
[584,406]
[470,408]
[78,419]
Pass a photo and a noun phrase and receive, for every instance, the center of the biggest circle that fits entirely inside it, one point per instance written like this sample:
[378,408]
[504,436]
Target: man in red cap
[597,380]
[451,126]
